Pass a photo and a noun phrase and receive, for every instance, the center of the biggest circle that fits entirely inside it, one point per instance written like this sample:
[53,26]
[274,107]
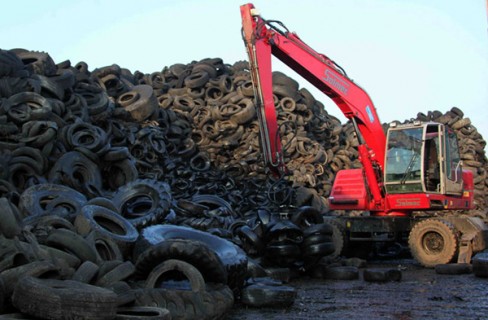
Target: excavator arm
[264,38]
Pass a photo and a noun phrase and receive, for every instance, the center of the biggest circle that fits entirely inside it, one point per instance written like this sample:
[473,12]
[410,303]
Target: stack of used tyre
[94,164]
[91,262]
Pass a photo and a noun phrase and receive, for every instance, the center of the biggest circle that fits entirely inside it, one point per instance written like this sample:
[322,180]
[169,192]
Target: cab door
[453,176]
[433,159]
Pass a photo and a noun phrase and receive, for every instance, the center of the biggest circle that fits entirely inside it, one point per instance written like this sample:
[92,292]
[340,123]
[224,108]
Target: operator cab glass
[422,158]
[454,170]
[404,160]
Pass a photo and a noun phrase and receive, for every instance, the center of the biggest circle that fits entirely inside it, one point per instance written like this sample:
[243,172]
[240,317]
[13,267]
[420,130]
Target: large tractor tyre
[233,258]
[433,242]
[192,251]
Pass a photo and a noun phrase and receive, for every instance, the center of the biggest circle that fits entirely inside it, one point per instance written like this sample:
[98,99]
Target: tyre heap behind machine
[413,167]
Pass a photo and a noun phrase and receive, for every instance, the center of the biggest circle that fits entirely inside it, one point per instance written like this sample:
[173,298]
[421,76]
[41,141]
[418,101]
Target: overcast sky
[409,55]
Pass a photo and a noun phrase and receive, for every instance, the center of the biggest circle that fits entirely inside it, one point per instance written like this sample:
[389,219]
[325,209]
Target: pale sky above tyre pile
[410,56]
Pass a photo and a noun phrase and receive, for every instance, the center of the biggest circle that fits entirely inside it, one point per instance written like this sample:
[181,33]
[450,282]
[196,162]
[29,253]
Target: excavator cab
[422,158]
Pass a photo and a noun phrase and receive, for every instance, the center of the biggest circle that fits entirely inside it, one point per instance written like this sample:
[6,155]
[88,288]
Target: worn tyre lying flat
[63,299]
[382,275]
[454,268]
[342,273]
[268,294]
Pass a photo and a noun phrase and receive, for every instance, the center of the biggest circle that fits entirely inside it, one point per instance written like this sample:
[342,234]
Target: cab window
[403,160]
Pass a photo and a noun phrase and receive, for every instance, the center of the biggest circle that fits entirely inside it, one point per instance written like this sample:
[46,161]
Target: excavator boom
[381,187]
[264,38]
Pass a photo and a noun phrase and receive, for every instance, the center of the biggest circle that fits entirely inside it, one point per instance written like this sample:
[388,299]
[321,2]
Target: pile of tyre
[112,205]
[150,189]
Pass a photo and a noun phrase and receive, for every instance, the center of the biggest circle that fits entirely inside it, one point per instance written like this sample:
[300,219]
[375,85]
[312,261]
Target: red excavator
[413,167]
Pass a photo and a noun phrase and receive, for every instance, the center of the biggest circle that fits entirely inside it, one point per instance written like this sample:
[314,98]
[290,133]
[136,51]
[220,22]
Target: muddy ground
[421,294]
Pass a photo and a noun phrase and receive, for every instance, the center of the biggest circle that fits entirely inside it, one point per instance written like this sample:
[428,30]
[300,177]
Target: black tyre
[280,274]
[322,228]
[283,250]
[177,268]
[13,259]
[25,106]
[283,231]
[433,242]
[119,273]
[214,202]
[480,265]
[140,102]
[16,315]
[194,252]
[381,275]
[307,216]
[342,273]
[78,170]
[212,303]
[246,114]
[102,202]
[254,268]
[37,62]
[142,313]
[107,249]
[267,294]
[2,291]
[49,222]
[49,253]
[316,239]
[279,78]
[35,200]
[249,240]
[143,202]
[106,222]
[10,218]
[319,249]
[232,257]
[168,299]
[86,272]
[454,268]
[457,111]
[197,79]
[10,63]
[125,293]
[63,299]
[71,242]
[12,276]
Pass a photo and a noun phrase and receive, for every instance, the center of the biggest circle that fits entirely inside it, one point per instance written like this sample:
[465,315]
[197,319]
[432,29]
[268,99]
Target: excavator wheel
[433,242]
